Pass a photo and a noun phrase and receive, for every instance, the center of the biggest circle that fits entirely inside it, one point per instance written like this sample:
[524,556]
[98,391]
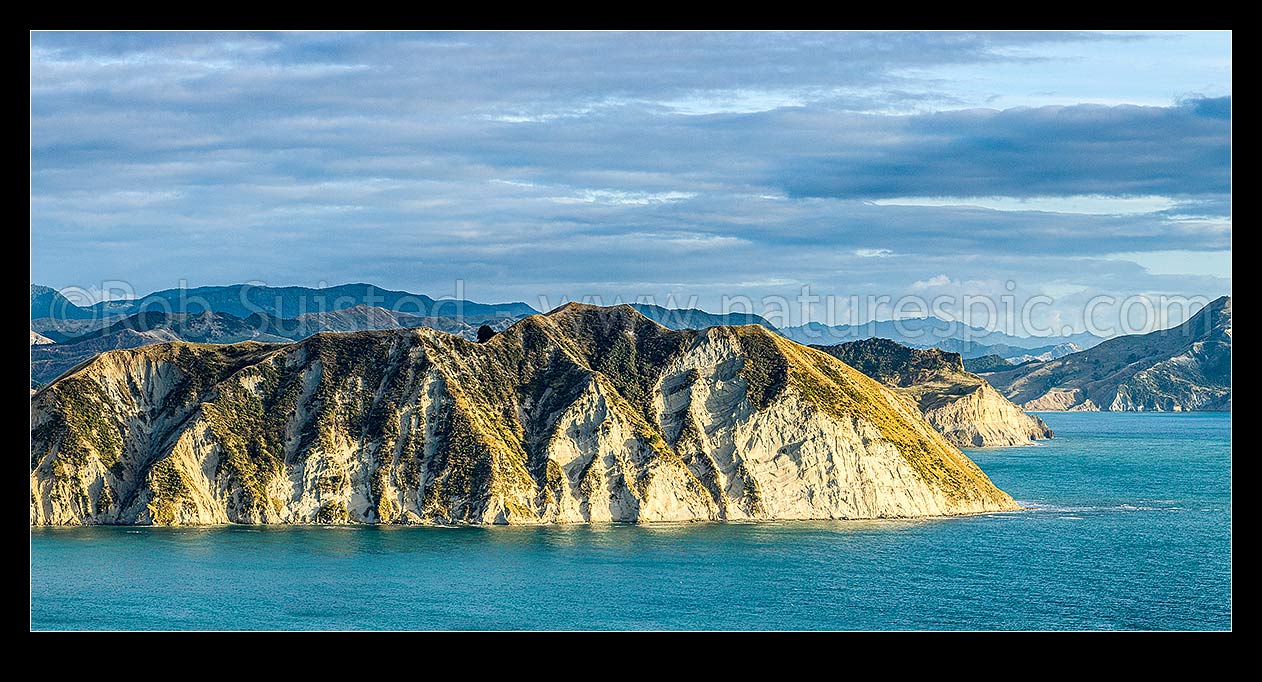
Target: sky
[797,174]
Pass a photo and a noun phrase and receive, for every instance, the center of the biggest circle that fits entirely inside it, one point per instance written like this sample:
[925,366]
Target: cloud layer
[643,164]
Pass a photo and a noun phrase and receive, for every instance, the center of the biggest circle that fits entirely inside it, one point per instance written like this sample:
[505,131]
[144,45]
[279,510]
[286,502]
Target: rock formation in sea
[959,404]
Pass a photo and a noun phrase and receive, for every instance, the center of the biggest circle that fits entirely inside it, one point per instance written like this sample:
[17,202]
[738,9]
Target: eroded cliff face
[584,414]
[960,405]
[979,416]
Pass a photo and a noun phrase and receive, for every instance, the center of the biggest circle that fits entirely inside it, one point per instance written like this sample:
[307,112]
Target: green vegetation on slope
[764,369]
[987,363]
[172,493]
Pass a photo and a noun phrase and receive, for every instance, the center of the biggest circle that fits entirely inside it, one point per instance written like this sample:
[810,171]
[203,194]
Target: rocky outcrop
[959,404]
[1181,369]
[584,414]
[38,339]
[978,416]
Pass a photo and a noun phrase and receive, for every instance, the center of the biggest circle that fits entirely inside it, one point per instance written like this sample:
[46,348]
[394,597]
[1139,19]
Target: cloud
[1173,151]
[931,283]
[614,164]
[620,197]
[1096,205]
[873,253]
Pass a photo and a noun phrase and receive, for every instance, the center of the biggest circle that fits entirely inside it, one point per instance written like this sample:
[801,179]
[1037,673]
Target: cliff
[583,414]
[959,404]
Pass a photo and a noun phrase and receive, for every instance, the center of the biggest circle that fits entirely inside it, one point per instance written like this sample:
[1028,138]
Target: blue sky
[708,167]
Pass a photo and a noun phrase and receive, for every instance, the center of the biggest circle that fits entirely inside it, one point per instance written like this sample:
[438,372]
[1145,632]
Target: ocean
[1128,527]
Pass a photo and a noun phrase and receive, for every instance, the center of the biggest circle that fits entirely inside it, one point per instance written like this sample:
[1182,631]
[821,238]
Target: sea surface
[1128,527]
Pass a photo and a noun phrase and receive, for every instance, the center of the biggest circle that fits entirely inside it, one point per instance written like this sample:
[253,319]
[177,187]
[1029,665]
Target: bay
[1127,526]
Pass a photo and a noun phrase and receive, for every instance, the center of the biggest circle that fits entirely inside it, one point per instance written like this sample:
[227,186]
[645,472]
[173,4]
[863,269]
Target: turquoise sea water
[1129,527]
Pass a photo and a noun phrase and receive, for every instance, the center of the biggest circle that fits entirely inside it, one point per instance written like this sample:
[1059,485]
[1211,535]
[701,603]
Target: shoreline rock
[961,405]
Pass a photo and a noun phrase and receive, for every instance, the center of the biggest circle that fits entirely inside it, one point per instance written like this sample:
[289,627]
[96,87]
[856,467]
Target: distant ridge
[243,300]
[935,332]
[988,363]
[1180,369]
[692,318]
[146,321]
[48,302]
[49,360]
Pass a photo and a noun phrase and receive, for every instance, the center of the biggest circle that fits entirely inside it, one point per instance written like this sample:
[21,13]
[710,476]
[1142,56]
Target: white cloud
[932,282]
[873,253]
[622,198]
[1085,204]
[735,102]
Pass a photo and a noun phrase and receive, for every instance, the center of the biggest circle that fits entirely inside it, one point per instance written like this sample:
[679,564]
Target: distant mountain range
[1014,354]
[1173,369]
[48,302]
[691,318]
[61,331]
[64,334]
[48,360]
[60,320]
[244,300]
[363,318]
[948,335]
[1187,367]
